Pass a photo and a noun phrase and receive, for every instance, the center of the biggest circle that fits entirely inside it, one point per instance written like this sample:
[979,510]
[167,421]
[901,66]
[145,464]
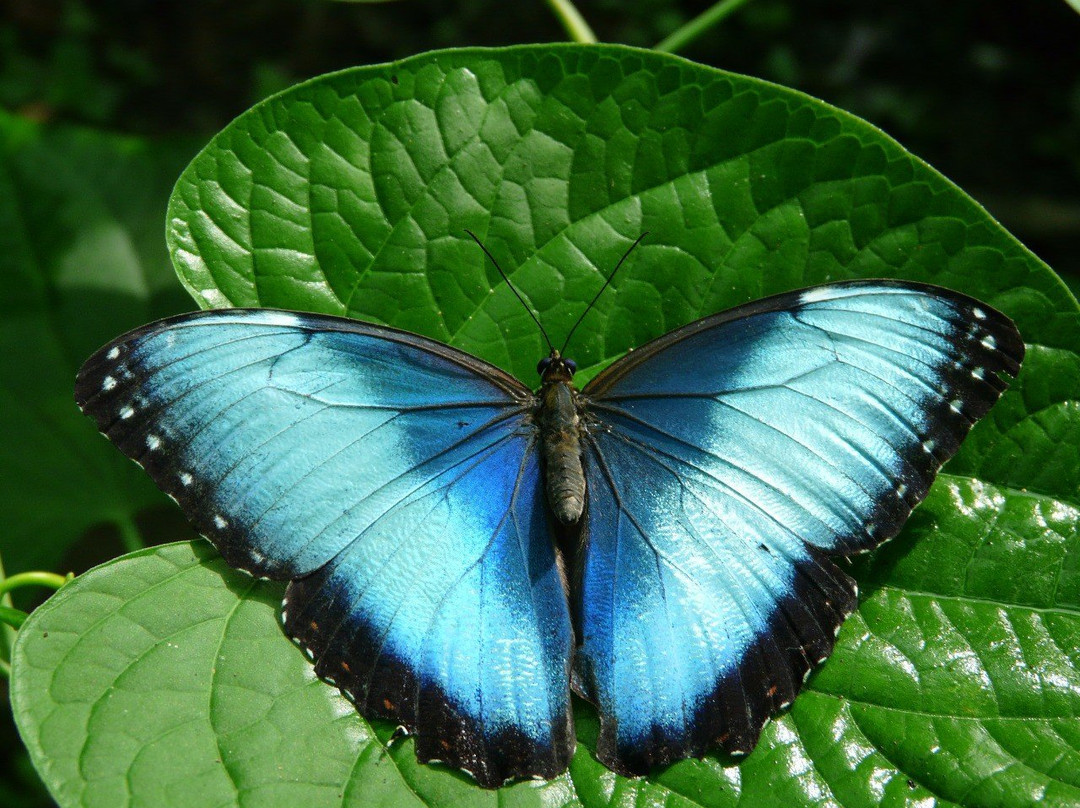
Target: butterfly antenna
[602,288]
[512,289]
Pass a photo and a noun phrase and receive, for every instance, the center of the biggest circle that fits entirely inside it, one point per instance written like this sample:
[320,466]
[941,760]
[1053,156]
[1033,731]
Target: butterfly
[462,551]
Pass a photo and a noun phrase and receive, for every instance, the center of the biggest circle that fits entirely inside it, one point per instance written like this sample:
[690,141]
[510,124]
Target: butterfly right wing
[394,481]
[725,462]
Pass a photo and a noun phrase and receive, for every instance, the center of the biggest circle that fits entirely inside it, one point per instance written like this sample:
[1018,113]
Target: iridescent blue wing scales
[397,616]
[725,462]
[393,480]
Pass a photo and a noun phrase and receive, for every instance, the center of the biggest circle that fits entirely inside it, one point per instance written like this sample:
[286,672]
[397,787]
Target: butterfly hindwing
[724,461]
[392,479]
[414,620]
[692,633]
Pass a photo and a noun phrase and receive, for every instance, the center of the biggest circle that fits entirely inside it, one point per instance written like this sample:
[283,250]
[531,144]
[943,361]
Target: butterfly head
[555,368]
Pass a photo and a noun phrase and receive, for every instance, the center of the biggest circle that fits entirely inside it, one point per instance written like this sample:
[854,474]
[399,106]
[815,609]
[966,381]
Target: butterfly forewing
[724,460]
[395,481]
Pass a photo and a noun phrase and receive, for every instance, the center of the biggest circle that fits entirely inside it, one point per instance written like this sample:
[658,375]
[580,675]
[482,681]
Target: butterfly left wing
[393,480]
[725,461]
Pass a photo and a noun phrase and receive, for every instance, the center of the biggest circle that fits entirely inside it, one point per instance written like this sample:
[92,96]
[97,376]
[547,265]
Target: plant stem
[698,26]
[129,533]
[7,633]
[49,579]
[573,22]
[12,617]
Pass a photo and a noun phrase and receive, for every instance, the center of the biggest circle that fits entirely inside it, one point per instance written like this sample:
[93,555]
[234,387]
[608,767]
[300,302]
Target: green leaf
[164,677]
[153,680]
[961,664]
[350,194]
[1031,439]
[82,260]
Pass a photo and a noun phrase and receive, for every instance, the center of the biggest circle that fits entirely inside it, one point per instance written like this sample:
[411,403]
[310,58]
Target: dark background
[986,91]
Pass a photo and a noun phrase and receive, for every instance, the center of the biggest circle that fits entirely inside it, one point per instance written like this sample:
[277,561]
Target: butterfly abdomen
[560,434]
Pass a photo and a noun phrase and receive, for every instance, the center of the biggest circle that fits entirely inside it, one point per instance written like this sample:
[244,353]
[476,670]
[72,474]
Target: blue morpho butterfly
[412,494]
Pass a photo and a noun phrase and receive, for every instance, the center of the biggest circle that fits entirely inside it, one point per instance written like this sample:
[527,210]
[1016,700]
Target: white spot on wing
[186,479]
[108,383]
[815,295]
[219,522]
[113,353]
[978,373]
[928,446]
[153,442]
[988,342]
[284,318]
[126,413]
[955,405]
[978,314]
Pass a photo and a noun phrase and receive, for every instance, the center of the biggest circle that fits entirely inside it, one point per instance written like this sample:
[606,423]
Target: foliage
[82,259]
[986,92]
[955,681]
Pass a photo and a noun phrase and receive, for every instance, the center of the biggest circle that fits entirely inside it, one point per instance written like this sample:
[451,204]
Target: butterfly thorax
[560,438]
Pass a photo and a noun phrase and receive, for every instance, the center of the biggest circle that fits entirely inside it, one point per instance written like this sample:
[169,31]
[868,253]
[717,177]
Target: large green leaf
[350,195]
[154,679]
[82,259]
[163,677]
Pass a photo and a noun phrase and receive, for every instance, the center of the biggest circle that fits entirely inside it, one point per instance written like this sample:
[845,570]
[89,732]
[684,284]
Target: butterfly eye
[542,365]
[571,365]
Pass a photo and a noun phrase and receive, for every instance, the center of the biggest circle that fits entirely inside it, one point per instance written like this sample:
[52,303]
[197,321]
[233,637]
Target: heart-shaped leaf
[164,677]
[351,194]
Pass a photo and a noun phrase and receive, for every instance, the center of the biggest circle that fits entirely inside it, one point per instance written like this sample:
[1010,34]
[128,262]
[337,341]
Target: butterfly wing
[393,480]
[724,462]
